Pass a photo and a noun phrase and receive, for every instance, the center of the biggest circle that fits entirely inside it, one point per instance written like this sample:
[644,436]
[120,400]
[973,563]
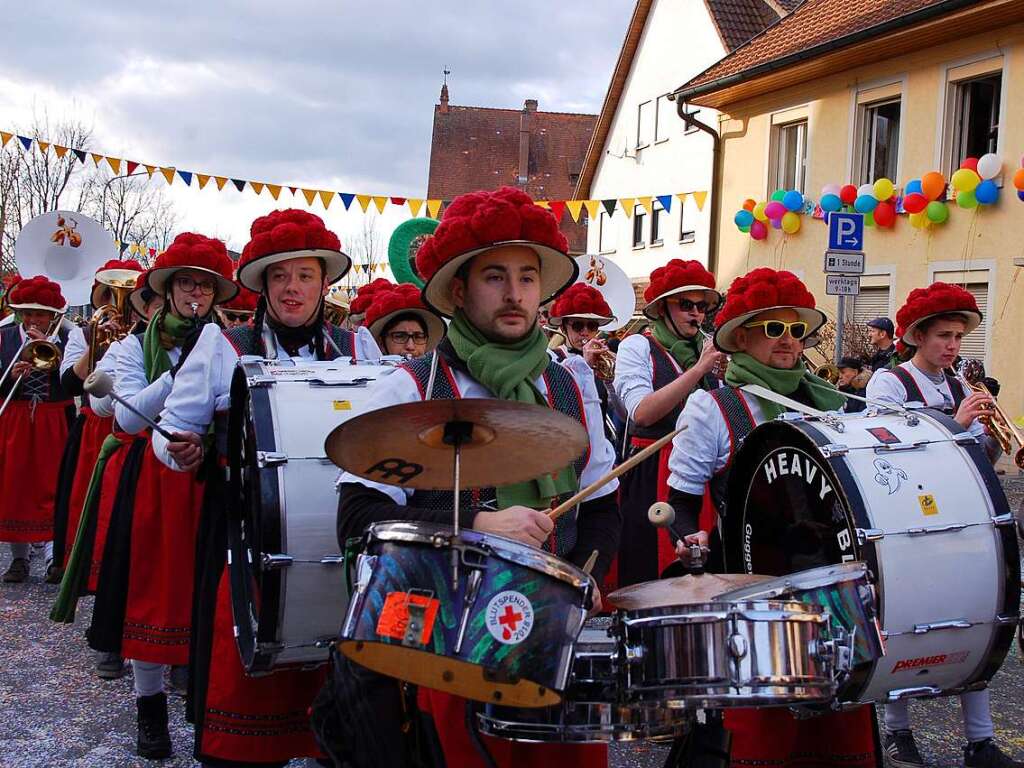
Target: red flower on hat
[763,288]
[581,299]
[38,290]
[244,301]
[131,264]
[480,219]
[676,274]
[936,299]
[364,296]
[197,251]
[287,230]
[395,298]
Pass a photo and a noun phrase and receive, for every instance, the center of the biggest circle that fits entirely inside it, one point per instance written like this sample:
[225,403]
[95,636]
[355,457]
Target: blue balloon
[865,203]
[913,186]
[743,218]
[831,203]
[987,192]
[1020,195]
[793,200]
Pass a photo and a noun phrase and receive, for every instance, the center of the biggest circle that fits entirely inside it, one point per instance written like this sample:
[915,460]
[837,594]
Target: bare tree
[131,209]
[367,249]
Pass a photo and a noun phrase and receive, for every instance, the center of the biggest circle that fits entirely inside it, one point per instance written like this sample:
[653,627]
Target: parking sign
[846,231]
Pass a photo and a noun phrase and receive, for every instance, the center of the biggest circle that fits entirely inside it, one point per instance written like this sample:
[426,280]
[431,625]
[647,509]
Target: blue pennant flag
[346,198]
[666,202]
[25,142]
[186,176]
[239,184]
[80,154]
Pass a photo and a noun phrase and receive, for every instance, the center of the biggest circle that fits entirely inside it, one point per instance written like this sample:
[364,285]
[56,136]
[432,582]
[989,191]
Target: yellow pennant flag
[43,145]
[592,206]
[364,201]
[221,181]
[203,178]
[574,206]
[682,197]
[326,197]
[646,203]
[168,173]
[133,248]
[627,204]
[5,137]
[150,169]
[257,186]
[358,268]
[96,158]
[433,206]
[699,198]
[310,195]
[115,164]
[543,204]
[414,206]
[60,151]
[274,189]
[380,201]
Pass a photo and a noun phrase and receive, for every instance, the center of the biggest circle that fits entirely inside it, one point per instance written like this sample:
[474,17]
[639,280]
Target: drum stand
[456,434]
[705,745]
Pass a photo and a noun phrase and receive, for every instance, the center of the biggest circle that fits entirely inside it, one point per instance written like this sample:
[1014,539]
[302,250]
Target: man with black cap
[880,333]
[849,383]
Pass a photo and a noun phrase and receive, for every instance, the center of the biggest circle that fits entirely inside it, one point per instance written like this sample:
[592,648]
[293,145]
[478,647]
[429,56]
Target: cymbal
[693,588]
[409,445]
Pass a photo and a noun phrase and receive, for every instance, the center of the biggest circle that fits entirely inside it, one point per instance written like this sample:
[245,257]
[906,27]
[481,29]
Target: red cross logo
[509,620]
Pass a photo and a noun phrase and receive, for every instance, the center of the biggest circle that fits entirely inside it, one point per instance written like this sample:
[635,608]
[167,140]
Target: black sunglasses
[578,326]
[688,306]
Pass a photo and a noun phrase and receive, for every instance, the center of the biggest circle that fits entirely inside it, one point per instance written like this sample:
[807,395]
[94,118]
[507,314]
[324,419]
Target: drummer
[402,324]
[933,322]
[291,260]
[765,317]
[494,259]
[655,373]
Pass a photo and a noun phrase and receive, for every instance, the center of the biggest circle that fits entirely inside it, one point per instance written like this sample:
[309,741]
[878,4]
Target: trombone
[43,354]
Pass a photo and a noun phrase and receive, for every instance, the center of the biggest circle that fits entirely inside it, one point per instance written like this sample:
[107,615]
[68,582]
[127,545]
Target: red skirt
[31,443]
[449,715]
[94,432]
[773,737]
[158,612]
[105,506]
[254,719]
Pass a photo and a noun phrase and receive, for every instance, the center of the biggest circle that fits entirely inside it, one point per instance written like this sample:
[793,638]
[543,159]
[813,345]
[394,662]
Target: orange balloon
[748,204]
[1018,178]
[933,184]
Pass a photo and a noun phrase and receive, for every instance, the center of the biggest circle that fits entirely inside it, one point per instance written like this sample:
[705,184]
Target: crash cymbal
[410,445]
[699,588]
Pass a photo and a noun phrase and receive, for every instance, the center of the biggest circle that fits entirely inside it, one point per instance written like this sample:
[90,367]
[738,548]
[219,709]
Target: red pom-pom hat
[678,276]
[402,299]
[759,291]
[365,294]
[937,299]
[581,301]
[290,234]
[198,252]
[37,292]
[122,273]
[482,221]
[135,297]
[244,301]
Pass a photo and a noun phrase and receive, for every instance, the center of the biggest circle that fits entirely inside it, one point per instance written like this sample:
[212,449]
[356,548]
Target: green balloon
[405,241]
[745,229]
[778,194]
[967,199]
[869,219]
[937,212]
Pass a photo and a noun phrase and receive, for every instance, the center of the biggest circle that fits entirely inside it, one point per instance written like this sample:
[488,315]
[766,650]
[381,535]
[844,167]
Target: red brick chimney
[444,99]
[529,107]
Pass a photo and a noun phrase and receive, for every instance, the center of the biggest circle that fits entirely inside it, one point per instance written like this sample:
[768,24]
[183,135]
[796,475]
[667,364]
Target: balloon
[884,189]
[778,194]
[777,223]
[967,199]
[937,212]
[869,218]
[790,223]
[832,202]
[885,214]
[987,192]
[990,165]
[774,210]
[748,204]
[848,194]
[915,202]
[866,189]
[1020,195]
[913,187]
[743,218]
[965,180]
[745,230]
[1018,178]
[933,184]
[793,200]
[865,203]
[918,220]
[831,189]
[970,163]
[759,213]
[758,230]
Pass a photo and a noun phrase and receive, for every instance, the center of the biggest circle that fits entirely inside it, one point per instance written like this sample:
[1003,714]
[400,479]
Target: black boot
[154,738]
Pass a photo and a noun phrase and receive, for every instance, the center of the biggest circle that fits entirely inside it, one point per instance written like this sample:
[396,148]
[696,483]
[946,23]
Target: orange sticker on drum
[343,405]
[394,621]
[928,505]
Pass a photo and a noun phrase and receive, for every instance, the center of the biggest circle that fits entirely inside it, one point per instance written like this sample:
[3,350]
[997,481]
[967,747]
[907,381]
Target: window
[693,112]
[880,140]
[871,303]
[975,117]
[657,214]
[639,214]
[976,282]
[644,124]
[788,156]
[663,118]
[605,240]
[687,234]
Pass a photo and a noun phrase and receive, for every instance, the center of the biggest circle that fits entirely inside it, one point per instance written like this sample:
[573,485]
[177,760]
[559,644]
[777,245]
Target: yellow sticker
[928,505]
[343,405]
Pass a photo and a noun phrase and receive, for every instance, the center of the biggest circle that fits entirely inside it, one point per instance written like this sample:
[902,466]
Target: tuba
[120,284]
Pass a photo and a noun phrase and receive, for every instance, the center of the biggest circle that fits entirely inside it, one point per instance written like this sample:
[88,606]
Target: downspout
[716,177]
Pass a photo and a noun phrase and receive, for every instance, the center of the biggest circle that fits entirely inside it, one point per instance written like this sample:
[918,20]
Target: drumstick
[624,467]
[591,561]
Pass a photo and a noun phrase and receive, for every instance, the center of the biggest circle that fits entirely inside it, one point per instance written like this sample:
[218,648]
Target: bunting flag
[221,181]
[666,202]
[310,195]
[58,150]
[557,207]
[433,207]
[43,146]
[256,186]
[25,142]
[80,155]
[574,206]
[5,137]
[96,158]
[647,203]
[380,202]
[131,165]
[346,199]
[325,197]
[592,207]
[186,176]
[274,190]
[115,165]
[699,198]
[628,204]
[364,201]
[150,169]
[202,178]
[414,206]
[168,174]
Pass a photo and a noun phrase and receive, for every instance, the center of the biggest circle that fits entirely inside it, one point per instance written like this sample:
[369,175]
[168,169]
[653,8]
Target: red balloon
[915,203]
[885,214]
[848,194]
[970,162]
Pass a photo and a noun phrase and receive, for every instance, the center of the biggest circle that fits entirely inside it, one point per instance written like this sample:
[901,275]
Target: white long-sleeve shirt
[131,384]
[886,388]
[634,371]
[73,350]
[104,406]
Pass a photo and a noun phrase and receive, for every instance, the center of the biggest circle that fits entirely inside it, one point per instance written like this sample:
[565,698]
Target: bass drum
[914,496]
[288,585]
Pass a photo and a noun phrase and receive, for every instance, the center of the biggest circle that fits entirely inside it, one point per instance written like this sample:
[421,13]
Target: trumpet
[42,354]
[118,309]
[971,374]
[604,367]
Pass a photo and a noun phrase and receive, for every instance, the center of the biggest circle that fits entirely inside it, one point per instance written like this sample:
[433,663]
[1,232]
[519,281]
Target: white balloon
[831,189]
[866,189]
[990,165]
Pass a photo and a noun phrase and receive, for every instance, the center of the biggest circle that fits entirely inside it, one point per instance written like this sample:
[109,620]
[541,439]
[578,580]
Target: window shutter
[871,303]
[973,345]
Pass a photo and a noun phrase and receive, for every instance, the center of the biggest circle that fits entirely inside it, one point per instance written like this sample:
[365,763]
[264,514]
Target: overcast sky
[332,95]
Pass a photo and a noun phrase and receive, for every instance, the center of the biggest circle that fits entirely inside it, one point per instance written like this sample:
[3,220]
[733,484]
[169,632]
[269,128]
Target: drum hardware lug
[834,449]
[1000,521]
[920,629]
[255,382]
[472,588]
[634,653]
[834,422]
[362,381]
[414,626]
[270,459]
[906,693]
[324,642]
[738,646]
[951,528]
[900,447]
[275,562]
[332,560]
[864,535]
[1004,619]
[965,438]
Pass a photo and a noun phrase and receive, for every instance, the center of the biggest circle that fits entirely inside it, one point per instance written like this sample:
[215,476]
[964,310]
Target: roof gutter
[716,176]
[910,19]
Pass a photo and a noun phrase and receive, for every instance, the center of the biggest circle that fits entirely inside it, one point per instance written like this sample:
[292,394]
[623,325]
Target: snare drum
[593,709]
[913,496]
[287,574]
[503,634]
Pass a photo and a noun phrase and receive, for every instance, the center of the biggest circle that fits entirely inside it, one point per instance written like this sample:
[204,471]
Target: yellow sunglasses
[776,329]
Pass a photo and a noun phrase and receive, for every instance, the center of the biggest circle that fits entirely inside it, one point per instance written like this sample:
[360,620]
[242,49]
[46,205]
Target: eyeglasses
[776,329]
[404,337]
[234,317]
[688,306]
[188,284]
[578,326]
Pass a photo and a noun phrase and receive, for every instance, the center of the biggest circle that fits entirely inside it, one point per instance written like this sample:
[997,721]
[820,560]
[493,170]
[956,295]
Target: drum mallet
[100,384]
[624,467]
[662,515]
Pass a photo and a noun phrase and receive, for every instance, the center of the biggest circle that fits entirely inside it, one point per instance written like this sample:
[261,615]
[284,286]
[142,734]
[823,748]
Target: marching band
[528,549]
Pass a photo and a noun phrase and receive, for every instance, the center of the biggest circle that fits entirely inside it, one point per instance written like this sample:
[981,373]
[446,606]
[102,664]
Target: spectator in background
[850,382]
[880,332]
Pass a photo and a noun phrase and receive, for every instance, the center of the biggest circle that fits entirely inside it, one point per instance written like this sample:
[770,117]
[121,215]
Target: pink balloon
[775,210]
[758,230]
